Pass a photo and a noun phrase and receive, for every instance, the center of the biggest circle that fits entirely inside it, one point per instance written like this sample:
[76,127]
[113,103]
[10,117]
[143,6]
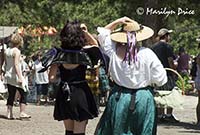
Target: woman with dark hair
[74,101]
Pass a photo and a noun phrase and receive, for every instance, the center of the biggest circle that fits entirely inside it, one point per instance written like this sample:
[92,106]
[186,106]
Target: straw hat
[142,32]
[17,39]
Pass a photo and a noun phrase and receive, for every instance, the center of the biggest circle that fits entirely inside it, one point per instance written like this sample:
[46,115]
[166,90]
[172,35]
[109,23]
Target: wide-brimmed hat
[141,32]
[17,39]
[164,31]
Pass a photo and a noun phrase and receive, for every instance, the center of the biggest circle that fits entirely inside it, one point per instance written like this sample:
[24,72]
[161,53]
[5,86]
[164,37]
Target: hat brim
[170,31]
[141,35]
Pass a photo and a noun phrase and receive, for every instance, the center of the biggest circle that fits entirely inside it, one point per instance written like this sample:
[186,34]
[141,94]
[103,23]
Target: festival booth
[5,33]
[37,31]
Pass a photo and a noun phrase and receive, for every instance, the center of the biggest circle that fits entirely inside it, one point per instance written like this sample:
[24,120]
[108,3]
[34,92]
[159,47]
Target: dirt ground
[42,122]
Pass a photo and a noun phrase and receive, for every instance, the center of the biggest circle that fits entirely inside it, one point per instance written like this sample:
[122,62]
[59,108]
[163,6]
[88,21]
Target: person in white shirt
[14,78]
[130,108]
[41,79]
[25,71]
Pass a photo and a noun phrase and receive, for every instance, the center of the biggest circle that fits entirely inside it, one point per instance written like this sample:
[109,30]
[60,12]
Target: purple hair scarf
[131,51]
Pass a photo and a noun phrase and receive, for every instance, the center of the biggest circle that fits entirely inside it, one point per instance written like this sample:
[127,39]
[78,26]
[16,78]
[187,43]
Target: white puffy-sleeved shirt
[146,71]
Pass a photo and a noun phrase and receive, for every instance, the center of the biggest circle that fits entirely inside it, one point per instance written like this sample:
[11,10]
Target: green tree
[185,34]
[98,13]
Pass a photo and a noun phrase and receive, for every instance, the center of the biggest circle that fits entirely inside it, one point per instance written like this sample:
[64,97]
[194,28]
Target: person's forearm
[52,73]
[115,23]
[17,64]
[19,74]
[90,39]
[112,25]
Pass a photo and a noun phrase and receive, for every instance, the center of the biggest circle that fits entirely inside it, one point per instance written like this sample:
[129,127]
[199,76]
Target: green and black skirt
[128,112]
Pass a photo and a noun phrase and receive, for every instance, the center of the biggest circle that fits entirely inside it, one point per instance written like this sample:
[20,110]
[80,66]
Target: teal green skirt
[118,119]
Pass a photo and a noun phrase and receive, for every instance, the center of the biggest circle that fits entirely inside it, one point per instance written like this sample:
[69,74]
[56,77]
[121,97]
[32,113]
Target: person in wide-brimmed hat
[130,108]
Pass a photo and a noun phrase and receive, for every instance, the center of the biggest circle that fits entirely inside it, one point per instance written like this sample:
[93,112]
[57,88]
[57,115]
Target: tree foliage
[185,35]
[98,13]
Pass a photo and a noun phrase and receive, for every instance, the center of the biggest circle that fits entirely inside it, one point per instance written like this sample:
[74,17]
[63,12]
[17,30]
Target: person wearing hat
[14,77]
[165,53]
[130,108]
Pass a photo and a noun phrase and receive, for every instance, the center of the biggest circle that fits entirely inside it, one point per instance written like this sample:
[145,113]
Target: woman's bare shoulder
[90,46]
[70,66]
[16,51]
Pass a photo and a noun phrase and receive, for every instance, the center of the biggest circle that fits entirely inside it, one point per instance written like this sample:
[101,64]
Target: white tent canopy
[6,31]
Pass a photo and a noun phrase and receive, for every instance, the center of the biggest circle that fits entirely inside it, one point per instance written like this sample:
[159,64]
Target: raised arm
[89,37]
[111,26]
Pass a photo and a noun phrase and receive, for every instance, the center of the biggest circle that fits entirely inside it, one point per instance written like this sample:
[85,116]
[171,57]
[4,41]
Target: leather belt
[133,94]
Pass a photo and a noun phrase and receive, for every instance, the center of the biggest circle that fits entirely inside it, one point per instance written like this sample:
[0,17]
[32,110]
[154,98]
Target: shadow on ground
[190,128]
[3,117]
